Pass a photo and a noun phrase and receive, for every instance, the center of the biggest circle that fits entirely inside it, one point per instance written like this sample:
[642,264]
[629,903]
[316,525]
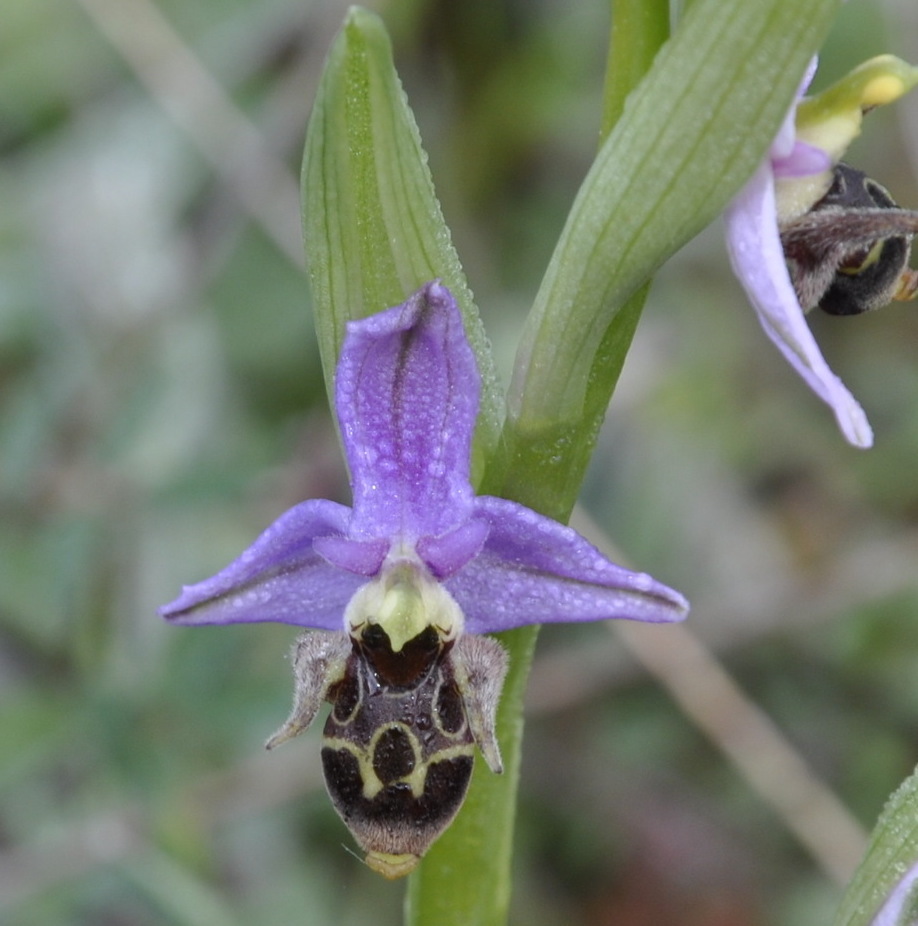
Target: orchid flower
[407,389]
[795,176]
[394,585]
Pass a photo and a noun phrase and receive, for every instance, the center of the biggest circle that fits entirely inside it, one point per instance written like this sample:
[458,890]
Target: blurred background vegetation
[161,402]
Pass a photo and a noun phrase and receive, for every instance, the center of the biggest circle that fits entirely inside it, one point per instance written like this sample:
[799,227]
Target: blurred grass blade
[892,851]
[373,227]
[691,134]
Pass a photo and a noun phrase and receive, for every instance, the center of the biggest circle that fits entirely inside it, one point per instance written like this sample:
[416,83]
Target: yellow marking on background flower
[883,90]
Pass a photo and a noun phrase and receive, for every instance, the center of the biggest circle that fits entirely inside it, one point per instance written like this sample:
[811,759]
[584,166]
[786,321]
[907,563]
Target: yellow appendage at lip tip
[392,866]
[883,90]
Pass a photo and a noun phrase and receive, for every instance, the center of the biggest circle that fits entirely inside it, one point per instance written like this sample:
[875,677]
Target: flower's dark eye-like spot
[450,714]
[393,755]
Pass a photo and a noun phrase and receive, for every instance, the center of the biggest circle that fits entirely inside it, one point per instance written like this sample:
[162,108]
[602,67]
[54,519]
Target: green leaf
[372,224]
[892,851]
[691,134]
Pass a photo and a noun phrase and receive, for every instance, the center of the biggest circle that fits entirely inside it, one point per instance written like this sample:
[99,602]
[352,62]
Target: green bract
[372,224]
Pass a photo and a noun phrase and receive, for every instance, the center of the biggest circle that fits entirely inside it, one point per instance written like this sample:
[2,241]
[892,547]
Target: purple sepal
[407,397]
[533,570]
[279,578]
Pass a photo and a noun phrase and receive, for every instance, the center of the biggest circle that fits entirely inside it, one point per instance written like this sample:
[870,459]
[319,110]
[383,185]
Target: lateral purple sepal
[533,570]
[279,578]
[754,246]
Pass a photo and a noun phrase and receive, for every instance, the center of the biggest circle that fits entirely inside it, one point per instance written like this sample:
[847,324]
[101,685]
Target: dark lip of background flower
[407,392]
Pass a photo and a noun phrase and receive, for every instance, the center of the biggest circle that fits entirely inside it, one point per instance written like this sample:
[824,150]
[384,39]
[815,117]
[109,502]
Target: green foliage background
[161,401]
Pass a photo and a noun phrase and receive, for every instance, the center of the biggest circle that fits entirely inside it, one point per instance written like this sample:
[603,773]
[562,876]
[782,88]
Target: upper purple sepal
[407,391]
[407,397]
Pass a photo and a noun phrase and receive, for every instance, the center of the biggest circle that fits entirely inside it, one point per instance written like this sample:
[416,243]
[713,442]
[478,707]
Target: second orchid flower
[846,240]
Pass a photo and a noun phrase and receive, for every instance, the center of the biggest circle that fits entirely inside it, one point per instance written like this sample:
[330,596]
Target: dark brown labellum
[399,743]
[395,771]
